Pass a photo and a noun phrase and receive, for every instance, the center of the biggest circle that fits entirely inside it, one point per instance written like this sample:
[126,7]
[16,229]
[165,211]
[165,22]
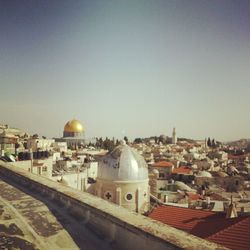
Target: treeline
[107,143]
[161,139]
[212,143]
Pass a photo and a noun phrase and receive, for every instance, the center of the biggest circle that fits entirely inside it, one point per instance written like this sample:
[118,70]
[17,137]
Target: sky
[134,67]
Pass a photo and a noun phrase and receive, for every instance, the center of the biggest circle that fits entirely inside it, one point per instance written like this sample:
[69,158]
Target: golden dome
[73,126]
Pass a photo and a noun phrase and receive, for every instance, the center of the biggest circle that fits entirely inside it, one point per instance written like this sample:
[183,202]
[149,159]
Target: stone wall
[123,229]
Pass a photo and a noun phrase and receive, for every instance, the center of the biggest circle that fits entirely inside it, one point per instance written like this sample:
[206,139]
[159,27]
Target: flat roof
[29,222]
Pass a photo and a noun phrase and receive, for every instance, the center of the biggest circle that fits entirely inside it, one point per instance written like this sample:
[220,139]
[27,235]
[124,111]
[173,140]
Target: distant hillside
[242,143]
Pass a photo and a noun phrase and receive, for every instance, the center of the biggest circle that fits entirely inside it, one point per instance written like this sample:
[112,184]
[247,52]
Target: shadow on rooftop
[84,237]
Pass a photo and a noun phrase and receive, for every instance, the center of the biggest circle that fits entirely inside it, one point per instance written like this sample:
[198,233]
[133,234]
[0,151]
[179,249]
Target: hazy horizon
[135,68]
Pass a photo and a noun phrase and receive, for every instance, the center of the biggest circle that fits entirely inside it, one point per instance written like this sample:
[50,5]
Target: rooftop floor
[28,221]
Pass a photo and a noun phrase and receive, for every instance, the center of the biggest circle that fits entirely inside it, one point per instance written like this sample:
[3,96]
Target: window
[129,197]
[161,175]
[108,195]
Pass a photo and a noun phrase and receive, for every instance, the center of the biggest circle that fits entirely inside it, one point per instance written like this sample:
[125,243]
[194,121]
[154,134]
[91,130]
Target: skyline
[134,68]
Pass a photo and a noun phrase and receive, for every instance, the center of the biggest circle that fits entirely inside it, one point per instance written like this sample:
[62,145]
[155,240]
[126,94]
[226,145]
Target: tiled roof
[233,233]
[217,197]
[236,236]
[181,218]
[211,226]
[182,170]
[163,164]
[236,157]
[194,197]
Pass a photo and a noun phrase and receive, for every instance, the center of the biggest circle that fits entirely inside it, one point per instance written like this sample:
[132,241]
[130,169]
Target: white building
[123,179]
[60,146]
[75,174]
[40,167]
[40,144]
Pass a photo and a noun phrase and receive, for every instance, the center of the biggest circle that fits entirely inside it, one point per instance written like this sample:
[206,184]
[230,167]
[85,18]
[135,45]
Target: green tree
[209,142]
[137,140]
[126,139]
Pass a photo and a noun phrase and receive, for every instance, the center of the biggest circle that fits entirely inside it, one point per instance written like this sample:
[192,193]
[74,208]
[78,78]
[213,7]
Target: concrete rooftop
[28,221]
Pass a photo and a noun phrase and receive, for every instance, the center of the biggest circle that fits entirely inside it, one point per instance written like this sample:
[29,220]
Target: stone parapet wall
[123,229]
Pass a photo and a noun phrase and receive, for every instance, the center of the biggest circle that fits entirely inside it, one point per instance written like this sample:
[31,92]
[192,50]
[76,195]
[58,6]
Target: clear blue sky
[134,67]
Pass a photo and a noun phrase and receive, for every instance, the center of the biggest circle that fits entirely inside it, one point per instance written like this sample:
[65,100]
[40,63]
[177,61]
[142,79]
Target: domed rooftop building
[123,179]
[73,134]
[73,128]
[124,164]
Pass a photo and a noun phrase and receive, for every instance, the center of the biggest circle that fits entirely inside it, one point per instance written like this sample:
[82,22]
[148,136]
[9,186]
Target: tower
[174,138]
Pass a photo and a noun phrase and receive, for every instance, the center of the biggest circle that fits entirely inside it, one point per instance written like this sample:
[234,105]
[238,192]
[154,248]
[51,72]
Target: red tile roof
[233,233]
[163,164]
[235,157]
[194,197]
[182,170]
[217,197]
[181,218]
[236,236]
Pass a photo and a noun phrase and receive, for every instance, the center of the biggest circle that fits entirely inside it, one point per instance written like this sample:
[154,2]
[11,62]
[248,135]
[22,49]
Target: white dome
[204,174]
[123,163]
[155,171]
[182,186]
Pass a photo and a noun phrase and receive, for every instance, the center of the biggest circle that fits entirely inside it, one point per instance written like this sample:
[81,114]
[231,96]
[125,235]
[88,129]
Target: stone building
[8,142]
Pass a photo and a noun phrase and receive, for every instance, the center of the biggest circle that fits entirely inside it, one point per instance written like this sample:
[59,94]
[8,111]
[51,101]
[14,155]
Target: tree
[99,143]
[213,143]
[156,139]
[126,139]
[138,140]
[208,142]
[108,144]
[91,144]
[35,136]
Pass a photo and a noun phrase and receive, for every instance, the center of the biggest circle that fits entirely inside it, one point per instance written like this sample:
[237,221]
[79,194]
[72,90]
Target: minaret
[174,138]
